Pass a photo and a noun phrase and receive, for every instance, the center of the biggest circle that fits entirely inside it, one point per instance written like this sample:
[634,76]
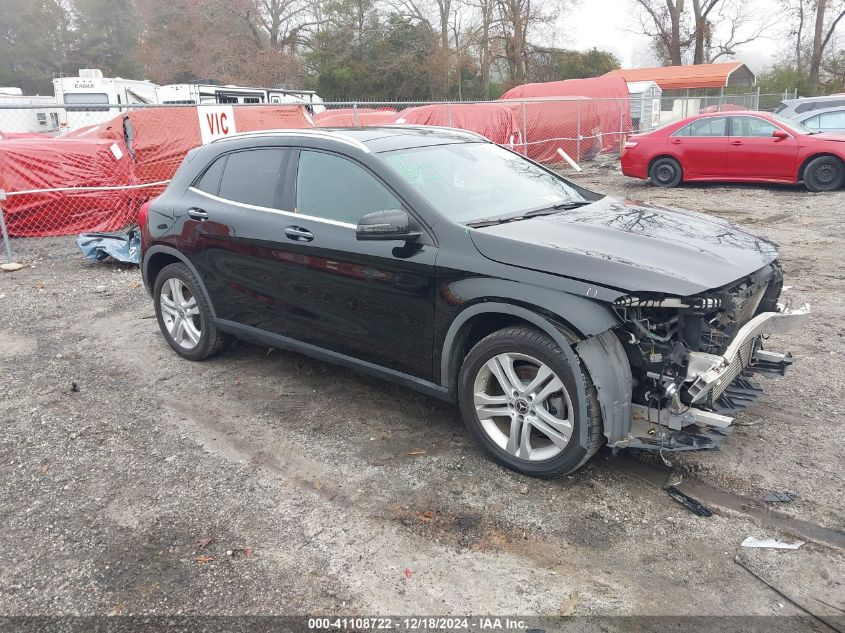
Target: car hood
[630,246]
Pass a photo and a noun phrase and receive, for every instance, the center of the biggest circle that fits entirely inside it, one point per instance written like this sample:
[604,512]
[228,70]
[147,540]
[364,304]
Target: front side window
[812,123]
[751,126]
[254,177]
[710,126]
[470,181]
[335,188]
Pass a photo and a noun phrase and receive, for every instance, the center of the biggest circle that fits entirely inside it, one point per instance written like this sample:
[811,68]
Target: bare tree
[827,18]
[662,21]
[520,21]
[702,32]
[737,24]
[486,24]
[714,29]
[435,16]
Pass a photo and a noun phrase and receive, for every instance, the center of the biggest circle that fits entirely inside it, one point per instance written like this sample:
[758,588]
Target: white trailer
[215,93]
[86,98]
[40,113]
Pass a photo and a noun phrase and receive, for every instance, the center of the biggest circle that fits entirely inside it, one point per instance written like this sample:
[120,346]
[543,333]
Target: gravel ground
[262,482]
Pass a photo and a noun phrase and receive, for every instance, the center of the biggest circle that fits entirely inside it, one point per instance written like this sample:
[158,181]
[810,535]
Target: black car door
[372,300]
[292,266]
[235,219]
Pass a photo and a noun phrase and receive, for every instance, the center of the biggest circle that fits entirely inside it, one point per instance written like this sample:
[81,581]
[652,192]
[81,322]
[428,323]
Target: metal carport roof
[693,76]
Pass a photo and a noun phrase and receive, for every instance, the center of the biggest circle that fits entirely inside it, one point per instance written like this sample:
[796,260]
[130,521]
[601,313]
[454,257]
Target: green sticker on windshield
[415,173]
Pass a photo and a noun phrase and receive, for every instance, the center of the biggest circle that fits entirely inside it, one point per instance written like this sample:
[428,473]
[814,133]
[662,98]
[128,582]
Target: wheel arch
[157,257]
[656,158]
[474,321]
[812,157]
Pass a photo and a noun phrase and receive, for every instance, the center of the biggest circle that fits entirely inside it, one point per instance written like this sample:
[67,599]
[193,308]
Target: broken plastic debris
[771,543]
[693,505]
[778,497]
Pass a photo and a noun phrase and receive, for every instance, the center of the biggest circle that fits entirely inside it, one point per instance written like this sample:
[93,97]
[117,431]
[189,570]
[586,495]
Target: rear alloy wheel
[825,173]
[184,315]
[665,172]
[518,399]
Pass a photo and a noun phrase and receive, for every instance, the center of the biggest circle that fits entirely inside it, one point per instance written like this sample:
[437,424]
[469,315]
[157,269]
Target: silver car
[794,108]
[826,120]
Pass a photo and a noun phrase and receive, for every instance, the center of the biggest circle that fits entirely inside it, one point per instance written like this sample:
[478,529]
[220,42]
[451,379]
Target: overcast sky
[608,25]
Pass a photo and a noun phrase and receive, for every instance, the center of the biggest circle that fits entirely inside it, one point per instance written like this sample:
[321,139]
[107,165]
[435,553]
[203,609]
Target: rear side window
[711,126]
[751,126]
[254,177]
[335,188]
[832,120]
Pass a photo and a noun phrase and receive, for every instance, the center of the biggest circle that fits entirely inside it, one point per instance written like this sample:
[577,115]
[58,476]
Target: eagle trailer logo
[216,122]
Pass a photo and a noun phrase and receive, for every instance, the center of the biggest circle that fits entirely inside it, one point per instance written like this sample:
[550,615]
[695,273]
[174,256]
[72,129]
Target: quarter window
[710,126]
[254,177]
[210,180]
[335,188]
[751,126]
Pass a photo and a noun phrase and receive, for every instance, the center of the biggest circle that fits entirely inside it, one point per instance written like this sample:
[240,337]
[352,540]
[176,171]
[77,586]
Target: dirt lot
[263,482]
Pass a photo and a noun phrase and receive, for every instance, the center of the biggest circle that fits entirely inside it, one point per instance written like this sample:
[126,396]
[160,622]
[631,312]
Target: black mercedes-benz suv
[557,318]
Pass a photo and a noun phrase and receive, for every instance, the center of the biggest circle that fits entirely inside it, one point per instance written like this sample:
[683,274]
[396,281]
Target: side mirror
[393,224]
[779,134]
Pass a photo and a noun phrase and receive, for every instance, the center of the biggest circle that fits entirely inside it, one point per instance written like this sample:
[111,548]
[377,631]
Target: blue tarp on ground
[124,247]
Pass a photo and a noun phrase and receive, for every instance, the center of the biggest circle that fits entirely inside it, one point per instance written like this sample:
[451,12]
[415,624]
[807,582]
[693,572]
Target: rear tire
[665,172]
[531,423]
[824,173]
[184,315]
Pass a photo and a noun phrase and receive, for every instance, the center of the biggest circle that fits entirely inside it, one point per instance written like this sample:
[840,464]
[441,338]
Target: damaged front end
[692,360]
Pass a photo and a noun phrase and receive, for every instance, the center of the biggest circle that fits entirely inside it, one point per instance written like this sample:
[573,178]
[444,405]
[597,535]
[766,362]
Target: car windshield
[469,182]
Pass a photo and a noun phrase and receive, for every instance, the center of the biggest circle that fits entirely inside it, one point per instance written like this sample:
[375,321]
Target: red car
[737,147]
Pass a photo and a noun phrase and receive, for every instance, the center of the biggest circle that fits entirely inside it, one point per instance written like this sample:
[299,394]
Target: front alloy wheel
[523,406]
[519,400]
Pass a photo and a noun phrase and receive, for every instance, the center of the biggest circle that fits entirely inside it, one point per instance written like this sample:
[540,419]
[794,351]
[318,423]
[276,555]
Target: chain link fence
[71,169]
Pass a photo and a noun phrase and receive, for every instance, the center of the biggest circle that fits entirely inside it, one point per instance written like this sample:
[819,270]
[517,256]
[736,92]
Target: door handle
[298,234]
[197,214]
[676,141]
[736,142]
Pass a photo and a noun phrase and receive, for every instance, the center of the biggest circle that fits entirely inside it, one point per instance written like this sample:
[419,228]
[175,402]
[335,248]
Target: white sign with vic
[216,122]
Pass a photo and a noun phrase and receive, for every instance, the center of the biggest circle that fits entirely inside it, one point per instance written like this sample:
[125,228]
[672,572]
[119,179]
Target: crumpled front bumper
[710,375]
[703,424]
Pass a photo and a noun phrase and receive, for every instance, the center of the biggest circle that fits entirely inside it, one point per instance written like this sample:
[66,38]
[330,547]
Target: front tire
[824,173]
[518,399]
[665,172]
[184,315]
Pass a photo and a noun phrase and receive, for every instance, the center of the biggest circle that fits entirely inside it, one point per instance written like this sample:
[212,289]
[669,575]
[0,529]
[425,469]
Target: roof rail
[334,136]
